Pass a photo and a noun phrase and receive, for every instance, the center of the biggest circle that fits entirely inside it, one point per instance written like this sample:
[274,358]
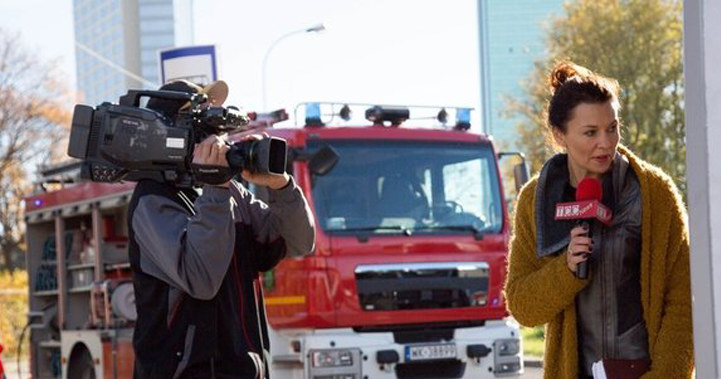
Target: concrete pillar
[702,71]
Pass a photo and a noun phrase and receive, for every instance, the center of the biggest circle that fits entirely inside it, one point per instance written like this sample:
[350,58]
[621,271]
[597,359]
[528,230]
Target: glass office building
[512,38]
[117,43]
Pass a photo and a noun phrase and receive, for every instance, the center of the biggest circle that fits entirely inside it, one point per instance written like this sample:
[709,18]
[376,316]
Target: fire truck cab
[407,274]
[405,280]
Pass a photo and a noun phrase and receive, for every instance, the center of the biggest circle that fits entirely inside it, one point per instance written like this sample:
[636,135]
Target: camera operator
[196,261]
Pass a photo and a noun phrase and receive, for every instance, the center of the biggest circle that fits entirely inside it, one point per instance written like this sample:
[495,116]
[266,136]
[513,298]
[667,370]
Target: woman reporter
[635,305]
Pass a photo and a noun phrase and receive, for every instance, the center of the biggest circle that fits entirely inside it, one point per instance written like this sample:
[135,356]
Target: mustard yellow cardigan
[543,290]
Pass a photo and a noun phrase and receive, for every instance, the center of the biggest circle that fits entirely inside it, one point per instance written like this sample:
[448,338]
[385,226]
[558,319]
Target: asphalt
[11,366]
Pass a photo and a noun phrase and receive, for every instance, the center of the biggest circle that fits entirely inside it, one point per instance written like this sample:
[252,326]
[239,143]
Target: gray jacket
[192,253]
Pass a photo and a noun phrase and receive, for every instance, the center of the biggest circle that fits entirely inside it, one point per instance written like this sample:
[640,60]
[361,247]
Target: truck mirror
[323,161]
[520,174]
[520,170]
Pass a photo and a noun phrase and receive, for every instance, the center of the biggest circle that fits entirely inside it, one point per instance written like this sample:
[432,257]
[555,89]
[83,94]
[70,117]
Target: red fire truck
[405,280]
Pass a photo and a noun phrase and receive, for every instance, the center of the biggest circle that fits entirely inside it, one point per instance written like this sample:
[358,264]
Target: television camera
[126,142]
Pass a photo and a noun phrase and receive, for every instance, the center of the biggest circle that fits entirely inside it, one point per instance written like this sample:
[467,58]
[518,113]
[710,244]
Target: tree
[637,42]
[34,120]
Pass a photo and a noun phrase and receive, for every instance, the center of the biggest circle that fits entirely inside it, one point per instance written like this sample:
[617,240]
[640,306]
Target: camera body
[125,142]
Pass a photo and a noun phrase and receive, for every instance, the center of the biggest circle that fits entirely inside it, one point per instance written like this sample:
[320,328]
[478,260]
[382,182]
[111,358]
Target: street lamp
[312,29]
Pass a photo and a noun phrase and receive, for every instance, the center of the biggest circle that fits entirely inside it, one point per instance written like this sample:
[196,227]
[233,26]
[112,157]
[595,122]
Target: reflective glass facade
[156,33]
[116,34]
[512,38]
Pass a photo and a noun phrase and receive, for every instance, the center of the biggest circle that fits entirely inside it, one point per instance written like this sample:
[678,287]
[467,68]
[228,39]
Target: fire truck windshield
[408,187]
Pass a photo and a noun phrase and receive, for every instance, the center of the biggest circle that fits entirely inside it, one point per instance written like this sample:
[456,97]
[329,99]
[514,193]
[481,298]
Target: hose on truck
[20,347]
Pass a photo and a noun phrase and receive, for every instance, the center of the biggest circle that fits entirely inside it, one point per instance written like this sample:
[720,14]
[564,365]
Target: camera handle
[132,98]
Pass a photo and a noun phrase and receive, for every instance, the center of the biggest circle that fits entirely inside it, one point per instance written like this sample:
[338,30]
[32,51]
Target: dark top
[610,316]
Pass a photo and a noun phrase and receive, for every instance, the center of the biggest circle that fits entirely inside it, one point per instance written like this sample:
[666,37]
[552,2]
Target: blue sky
[393,52]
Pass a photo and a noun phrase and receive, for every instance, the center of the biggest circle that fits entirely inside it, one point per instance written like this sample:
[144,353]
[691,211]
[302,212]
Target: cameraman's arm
[191,253]
[284,226]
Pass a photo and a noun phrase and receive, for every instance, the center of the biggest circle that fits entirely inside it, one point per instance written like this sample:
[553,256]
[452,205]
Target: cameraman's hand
[211,152]
[272,181]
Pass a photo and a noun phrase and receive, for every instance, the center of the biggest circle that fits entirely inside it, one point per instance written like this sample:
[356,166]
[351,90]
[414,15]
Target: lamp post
[312,29]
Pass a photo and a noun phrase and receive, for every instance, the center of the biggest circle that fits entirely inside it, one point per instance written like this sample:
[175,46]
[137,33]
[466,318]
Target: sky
[416,52]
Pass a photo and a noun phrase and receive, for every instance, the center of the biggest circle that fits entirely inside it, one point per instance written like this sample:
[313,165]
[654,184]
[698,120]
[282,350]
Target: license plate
[429,352]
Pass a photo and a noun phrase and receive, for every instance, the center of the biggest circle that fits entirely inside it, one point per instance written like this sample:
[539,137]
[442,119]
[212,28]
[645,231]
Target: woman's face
[590,139]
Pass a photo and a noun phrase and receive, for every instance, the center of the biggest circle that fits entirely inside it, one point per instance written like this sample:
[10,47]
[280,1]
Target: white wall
[702,70]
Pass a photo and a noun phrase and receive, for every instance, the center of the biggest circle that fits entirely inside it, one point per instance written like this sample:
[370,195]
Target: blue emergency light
[463,119]
[312,115]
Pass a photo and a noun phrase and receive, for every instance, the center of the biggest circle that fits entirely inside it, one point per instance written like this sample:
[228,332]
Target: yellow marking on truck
[285,300]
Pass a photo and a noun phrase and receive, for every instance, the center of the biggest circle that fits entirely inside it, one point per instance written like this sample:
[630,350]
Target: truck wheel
[81,363]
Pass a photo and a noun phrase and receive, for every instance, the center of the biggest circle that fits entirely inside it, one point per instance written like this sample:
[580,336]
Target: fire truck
[405,280]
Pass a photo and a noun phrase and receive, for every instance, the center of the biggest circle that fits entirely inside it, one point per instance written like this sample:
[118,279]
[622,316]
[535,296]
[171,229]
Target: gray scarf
[552,235]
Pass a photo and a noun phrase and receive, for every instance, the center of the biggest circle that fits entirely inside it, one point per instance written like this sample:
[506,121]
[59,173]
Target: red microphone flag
[587,205]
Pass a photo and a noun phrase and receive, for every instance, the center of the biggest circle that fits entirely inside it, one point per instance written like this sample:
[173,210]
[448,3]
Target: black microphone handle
[582,268]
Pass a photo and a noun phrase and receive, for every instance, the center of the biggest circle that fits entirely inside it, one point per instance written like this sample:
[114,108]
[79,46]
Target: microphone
[587,207]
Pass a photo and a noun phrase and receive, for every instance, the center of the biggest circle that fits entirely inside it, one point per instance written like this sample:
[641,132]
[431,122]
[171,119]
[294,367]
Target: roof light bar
[320,114]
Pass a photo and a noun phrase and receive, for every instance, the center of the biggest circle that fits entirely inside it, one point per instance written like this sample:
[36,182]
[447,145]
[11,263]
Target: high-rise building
[117,43]
[512,39]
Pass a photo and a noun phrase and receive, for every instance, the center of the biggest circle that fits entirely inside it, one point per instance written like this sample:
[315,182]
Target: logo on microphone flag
[583,209]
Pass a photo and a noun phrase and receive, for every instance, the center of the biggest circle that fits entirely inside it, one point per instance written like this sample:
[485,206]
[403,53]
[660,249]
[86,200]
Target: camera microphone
[585,210]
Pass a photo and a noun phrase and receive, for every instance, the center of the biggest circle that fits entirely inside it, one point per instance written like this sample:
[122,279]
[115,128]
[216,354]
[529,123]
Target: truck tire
[81,363]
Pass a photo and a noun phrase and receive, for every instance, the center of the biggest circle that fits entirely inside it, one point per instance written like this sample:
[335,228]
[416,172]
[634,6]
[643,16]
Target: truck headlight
[331,358]
[507,347]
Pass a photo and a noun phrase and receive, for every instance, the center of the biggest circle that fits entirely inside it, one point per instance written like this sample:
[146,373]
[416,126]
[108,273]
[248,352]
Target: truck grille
[422,285]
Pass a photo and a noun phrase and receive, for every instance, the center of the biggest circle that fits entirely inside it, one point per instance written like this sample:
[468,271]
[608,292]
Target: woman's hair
[571,85]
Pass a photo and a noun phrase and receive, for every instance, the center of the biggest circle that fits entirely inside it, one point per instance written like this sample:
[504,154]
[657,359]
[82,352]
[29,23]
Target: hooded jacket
[196,262]
[540,289]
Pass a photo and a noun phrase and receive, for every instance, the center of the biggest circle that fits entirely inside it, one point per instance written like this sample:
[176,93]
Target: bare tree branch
[34,113]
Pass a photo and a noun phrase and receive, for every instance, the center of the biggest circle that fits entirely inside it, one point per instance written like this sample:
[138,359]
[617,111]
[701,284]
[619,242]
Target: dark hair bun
[564,71]
[570,85]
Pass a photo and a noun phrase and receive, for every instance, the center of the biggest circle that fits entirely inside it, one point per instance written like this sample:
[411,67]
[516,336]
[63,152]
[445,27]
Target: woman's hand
[580,247]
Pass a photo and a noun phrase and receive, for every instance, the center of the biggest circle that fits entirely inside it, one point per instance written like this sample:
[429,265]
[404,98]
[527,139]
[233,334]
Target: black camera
[125,142]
